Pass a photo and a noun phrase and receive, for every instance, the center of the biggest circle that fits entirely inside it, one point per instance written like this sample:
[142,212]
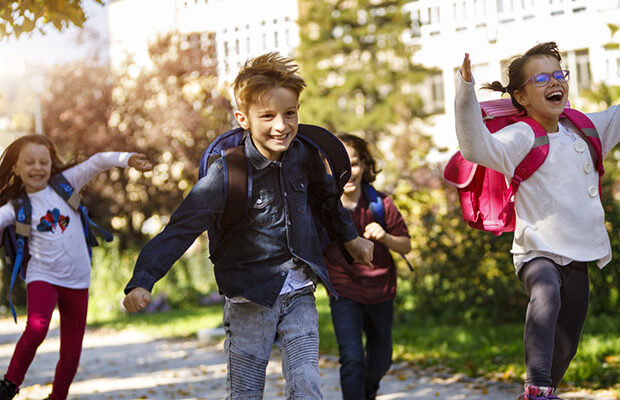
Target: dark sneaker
[8,389]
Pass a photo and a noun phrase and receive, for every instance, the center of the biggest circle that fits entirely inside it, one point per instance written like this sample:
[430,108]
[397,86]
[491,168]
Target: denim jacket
[278,225]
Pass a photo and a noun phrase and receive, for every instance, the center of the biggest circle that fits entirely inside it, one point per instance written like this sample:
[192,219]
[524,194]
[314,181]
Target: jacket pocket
[262,210]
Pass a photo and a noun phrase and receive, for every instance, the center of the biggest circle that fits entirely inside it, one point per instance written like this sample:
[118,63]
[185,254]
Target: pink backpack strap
[534,159]
[589,133]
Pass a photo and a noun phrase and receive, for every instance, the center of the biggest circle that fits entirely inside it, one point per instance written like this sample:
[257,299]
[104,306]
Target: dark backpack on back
[228,146]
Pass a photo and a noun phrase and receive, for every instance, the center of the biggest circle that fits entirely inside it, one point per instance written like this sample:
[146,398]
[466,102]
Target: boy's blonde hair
[262,73]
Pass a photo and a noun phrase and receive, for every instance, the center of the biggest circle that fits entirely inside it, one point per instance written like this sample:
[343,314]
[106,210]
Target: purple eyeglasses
[543,79]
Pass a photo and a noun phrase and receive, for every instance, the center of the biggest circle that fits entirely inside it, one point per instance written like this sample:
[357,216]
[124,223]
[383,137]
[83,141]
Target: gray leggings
[556,314]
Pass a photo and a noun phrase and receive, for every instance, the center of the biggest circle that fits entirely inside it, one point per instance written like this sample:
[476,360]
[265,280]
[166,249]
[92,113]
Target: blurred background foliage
[360,80]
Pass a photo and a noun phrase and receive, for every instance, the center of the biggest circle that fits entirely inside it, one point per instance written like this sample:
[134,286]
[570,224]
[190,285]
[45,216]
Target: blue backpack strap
[61,185]
[377,210]
[23,217]
[375,204]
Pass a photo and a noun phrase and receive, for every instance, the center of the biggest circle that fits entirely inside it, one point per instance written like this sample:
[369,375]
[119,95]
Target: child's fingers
[140,162]
[137,299]
[466,68]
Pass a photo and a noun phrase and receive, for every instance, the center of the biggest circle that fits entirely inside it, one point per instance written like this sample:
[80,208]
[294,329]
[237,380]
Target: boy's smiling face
[272,121]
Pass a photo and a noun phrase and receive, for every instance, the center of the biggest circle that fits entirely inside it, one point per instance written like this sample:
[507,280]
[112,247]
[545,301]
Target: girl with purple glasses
[560,222]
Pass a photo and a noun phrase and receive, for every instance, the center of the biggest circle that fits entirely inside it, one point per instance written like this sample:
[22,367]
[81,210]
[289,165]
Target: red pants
[72,306]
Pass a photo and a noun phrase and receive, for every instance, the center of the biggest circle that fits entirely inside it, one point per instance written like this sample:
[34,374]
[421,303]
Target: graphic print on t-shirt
[52,218]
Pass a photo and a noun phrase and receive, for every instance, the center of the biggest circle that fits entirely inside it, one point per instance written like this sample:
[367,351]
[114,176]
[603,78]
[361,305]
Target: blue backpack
[15,238]
[228,146]
[377,210]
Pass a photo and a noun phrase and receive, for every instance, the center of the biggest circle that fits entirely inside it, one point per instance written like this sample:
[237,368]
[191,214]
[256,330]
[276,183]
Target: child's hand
[361,250]
[466,69]
[137,299]
[140,162]
[374,231]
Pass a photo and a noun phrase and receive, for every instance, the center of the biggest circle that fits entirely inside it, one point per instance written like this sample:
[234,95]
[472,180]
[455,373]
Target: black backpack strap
[238,186]
[332,149]
[238,179]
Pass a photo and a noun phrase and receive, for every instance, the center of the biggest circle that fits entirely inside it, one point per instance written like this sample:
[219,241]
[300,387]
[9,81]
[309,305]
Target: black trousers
[556,314]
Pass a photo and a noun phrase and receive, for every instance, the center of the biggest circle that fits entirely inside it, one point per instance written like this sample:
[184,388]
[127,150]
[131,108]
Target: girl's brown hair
[11,184]
[263,73]
[516,70]
[363,152]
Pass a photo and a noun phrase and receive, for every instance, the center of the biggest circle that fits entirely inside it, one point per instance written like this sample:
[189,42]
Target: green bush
[185,284]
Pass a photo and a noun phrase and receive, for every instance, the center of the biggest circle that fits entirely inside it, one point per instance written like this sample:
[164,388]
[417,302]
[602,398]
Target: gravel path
[132,365]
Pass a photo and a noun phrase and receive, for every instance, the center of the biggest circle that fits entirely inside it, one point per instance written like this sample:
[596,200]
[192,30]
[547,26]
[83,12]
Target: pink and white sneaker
[538,393]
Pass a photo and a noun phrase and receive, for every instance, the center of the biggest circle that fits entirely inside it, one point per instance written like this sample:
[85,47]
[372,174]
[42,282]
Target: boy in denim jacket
[268,273]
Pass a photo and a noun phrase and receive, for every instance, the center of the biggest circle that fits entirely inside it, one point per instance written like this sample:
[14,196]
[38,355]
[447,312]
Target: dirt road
[132,365]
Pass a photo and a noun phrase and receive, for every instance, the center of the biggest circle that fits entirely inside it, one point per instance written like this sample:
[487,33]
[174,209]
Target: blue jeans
[361,369]
[252,330]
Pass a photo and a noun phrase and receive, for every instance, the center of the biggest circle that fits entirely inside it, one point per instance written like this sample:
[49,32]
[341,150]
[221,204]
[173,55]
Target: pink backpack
[487,200]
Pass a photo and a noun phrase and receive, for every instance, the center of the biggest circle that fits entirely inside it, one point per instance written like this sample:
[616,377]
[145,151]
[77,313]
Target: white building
[494,31]
[243,28]
[491,31]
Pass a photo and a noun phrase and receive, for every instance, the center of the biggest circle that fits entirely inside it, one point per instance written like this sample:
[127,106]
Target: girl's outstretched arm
[501,151]
[82,173]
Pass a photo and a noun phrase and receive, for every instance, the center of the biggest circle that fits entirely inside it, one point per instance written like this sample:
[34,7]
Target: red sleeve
[395,224]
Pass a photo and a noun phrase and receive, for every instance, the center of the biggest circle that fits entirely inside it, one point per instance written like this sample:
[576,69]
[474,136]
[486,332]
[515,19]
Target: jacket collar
[257,160]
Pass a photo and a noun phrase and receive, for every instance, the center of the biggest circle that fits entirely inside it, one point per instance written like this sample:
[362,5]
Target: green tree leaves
[23,16]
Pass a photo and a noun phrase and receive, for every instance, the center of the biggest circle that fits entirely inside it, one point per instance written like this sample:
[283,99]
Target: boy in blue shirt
[269,271]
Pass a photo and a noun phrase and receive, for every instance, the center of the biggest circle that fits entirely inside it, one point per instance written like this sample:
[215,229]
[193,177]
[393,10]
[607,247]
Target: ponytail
[495,86]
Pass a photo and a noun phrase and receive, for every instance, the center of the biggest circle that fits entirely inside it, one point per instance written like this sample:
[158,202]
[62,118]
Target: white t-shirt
[58,250]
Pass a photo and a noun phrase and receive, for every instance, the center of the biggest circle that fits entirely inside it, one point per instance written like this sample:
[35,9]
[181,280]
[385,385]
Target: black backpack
[228,146]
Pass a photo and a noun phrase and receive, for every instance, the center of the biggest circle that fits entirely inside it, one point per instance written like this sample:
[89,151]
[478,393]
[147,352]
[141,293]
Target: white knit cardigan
[558,209]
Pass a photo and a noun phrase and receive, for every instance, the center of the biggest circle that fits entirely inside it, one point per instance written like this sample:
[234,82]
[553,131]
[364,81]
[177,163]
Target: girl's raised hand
[140,162]
[466,69]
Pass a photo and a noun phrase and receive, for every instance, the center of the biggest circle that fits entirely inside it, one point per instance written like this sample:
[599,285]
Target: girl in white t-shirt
[59,267]
[560,222]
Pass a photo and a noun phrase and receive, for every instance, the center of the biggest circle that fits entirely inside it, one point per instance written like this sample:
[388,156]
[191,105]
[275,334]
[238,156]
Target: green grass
[476,350]
[184,322]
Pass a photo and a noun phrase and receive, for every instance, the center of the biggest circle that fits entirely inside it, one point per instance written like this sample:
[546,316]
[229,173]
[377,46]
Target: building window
[582,61]
[237,49]
[225,49]
[247,44]
[275,39]
[264,41]
[437,97]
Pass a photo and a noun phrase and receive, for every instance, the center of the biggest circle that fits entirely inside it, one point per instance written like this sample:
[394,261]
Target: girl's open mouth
[555,96]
